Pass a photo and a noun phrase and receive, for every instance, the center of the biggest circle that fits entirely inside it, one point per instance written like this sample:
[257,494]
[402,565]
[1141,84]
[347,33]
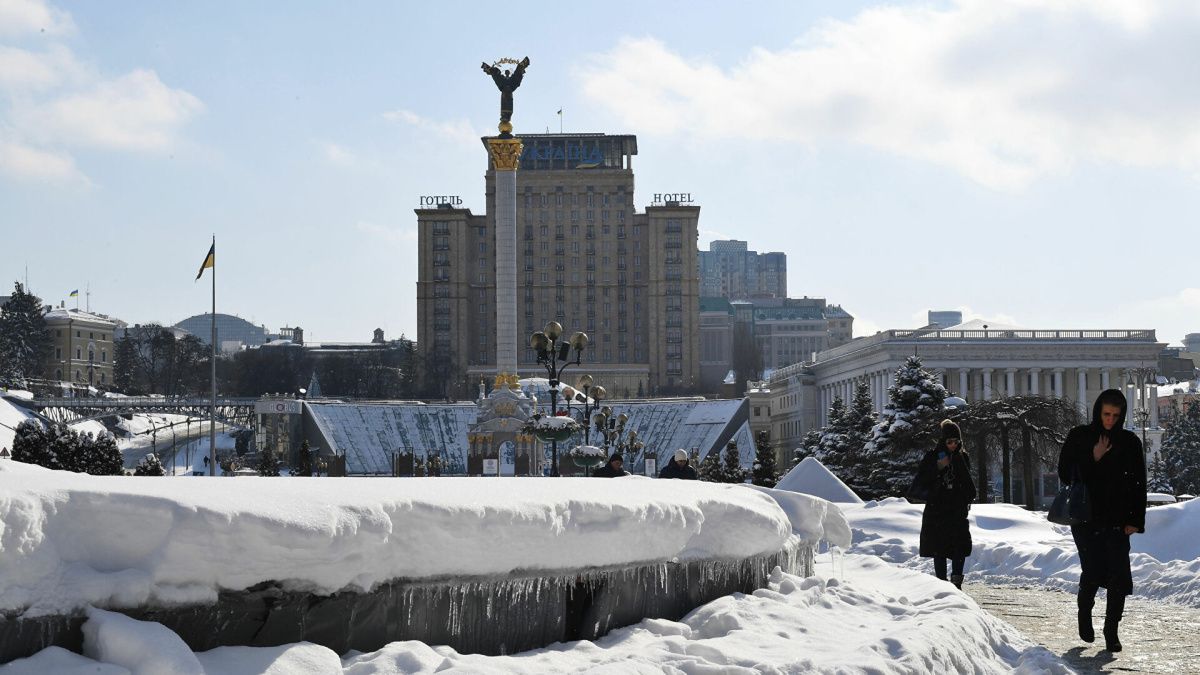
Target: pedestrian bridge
[232,411]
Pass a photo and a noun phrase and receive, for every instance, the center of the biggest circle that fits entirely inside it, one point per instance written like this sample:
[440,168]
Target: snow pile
[1013,545]
[10,416]
[71,539]
[810,477]
[879,619]
[813,518]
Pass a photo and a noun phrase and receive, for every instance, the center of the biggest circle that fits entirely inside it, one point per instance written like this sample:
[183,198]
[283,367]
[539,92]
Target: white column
[1130,399]
[1010,381]
[1035,381]
[1058,383]
[1104,379]
[963,384]
[1152,402]
[1083,402]
[987,384]
[506,271]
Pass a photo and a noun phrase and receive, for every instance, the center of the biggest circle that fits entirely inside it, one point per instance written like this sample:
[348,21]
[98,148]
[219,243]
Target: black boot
[1086,600]
[957,580]
[1112,617]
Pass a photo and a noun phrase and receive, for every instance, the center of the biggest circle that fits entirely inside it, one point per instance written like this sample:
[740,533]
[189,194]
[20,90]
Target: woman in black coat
[1108,459]
[944,483]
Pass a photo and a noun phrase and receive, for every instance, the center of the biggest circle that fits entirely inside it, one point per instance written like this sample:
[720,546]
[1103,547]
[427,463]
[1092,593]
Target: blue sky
[1031,163]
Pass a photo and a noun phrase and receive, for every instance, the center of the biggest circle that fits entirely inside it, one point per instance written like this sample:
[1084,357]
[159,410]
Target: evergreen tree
[764,461]
[24,340]
[1156,476]
[809,445]
[268,464]
[303,461]
[149,466]
[1180,450]
[98,455]
[32,445]
[906,429]
[831,448]
[723,467]
[64,445]
[124,363]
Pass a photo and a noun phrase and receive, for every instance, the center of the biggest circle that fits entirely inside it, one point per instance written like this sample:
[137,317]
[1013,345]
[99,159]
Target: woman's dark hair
[1111,397]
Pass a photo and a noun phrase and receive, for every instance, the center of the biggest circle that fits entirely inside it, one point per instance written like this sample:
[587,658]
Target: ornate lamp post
[555,355]
[590,394]
[1139,378]
[615,436]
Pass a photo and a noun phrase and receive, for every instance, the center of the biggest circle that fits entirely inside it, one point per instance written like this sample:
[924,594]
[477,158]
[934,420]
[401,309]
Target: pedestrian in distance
[943,482]
[1107,457]
[679,467]
[614,469]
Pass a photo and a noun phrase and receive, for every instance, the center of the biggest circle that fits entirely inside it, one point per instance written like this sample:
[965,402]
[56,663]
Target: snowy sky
[1028,162]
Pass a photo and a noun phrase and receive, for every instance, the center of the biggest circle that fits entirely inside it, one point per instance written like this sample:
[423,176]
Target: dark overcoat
[948,493]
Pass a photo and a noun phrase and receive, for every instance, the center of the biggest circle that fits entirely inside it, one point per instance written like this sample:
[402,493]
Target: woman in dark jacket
[944,483]
[1108,459]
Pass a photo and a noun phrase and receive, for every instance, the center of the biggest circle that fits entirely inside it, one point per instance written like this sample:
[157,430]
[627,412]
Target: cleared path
[1158,637]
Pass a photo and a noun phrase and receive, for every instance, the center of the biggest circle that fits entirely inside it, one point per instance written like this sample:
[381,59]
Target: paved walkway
[1158,637]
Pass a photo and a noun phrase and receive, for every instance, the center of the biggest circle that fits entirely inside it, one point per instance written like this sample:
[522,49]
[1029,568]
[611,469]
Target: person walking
[679,467]
[615,468]
[943,482]
[1107,457]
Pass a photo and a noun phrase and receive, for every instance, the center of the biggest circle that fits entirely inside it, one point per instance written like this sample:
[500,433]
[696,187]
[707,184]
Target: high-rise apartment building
[586,258]
[728,269]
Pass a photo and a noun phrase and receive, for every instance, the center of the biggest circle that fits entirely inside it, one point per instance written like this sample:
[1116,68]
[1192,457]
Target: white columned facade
[1104,379]
[1035,380]
[1010,382]
[1058,383]
[1130,400]
[964,383]
[1082,400]
[1152,403]
[987,383]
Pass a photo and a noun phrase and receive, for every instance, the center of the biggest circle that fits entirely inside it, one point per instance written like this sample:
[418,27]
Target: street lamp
[555,355]
[615,436]
[590,394]
[1139,378]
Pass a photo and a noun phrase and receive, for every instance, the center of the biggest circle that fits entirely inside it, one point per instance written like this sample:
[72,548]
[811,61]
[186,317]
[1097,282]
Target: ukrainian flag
[74,293]
[209,260]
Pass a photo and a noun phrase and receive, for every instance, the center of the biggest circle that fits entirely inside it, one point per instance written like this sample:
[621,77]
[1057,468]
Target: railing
[919,335]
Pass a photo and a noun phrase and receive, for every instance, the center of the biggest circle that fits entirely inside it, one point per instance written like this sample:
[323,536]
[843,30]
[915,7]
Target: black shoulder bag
[1072,505]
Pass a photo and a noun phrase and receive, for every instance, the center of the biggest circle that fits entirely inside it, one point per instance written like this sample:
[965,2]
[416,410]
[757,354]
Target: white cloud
[1185,302]
[921,317]
[22,161]
[459,131]
[22,17]
[1004,93]
[21,69]
[337,154]
[133,112]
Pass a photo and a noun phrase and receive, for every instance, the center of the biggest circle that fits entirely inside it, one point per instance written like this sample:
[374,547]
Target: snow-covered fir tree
[809,444]
[98,455]
[268,463]
[764,461]
[906,429]
[31,444]
[1180,450]
[149,466]
[832,439]
[1156,476]
[24,341]
[723,467]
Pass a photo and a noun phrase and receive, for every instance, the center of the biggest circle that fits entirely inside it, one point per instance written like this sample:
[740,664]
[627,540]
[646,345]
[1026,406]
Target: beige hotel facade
[586,257]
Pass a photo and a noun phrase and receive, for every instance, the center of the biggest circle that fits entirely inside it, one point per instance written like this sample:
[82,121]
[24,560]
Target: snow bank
[1013,545]
[876,619]
[71,539]
[10,416]
[811,477]
[59,661]
[813,519]
[141,647]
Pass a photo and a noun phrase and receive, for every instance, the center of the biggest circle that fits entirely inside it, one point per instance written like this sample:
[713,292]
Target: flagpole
[212,411]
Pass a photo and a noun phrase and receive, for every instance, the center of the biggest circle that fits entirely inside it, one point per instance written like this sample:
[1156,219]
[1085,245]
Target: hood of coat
[1111,397]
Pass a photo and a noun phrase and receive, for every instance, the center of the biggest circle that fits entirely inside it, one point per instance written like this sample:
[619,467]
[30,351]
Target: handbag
[1073,505]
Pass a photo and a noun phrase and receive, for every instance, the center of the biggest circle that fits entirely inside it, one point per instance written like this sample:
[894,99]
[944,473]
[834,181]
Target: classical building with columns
[973,361]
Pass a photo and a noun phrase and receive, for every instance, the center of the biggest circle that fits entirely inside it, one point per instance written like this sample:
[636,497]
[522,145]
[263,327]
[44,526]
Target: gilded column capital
[505,152]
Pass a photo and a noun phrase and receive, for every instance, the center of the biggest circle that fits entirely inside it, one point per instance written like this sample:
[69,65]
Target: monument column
[506,154]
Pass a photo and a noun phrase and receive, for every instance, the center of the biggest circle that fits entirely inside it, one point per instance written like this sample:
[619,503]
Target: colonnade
[987,383]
